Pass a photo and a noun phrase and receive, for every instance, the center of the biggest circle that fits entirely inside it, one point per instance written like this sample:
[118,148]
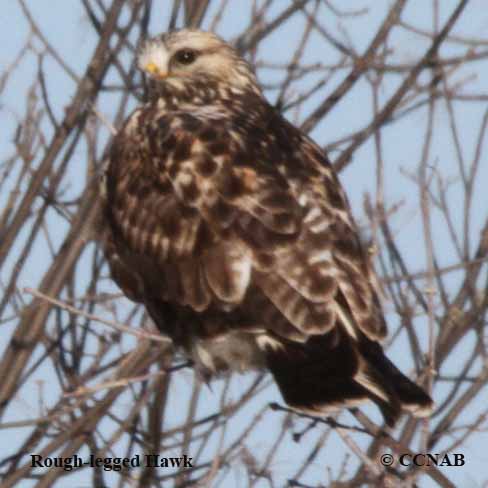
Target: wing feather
[228,271]
[228,208]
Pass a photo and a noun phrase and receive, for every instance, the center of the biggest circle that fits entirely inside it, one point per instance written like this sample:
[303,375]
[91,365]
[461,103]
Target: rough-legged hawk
[230,226]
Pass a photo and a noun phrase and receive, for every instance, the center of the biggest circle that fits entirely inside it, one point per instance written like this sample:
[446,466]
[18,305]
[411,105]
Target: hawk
[230,226]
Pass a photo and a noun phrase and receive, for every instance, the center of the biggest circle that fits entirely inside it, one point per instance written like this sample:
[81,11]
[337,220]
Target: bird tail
[333,371]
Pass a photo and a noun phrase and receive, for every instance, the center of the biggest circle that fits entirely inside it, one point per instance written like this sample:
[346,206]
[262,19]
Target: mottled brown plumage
[230,226]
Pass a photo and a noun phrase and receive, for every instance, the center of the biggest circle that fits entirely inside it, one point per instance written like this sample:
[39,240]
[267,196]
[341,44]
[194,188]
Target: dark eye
[185,56]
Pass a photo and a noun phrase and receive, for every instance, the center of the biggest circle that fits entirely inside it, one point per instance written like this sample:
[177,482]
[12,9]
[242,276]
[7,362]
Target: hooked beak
[152,69]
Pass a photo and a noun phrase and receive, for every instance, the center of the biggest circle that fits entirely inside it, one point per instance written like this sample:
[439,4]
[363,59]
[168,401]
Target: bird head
[189,55]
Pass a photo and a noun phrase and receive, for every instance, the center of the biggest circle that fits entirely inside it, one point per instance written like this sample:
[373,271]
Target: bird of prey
[230,226]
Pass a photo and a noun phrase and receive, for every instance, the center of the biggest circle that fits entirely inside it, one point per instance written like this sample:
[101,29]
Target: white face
[188,53]
[185,52]
[154,59]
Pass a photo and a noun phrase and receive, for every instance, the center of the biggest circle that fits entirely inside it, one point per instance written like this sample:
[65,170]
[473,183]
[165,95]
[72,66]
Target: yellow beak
[155,71]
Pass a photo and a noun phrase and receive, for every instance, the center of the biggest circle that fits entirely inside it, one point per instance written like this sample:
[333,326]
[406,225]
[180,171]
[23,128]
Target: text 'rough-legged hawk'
[230,226]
